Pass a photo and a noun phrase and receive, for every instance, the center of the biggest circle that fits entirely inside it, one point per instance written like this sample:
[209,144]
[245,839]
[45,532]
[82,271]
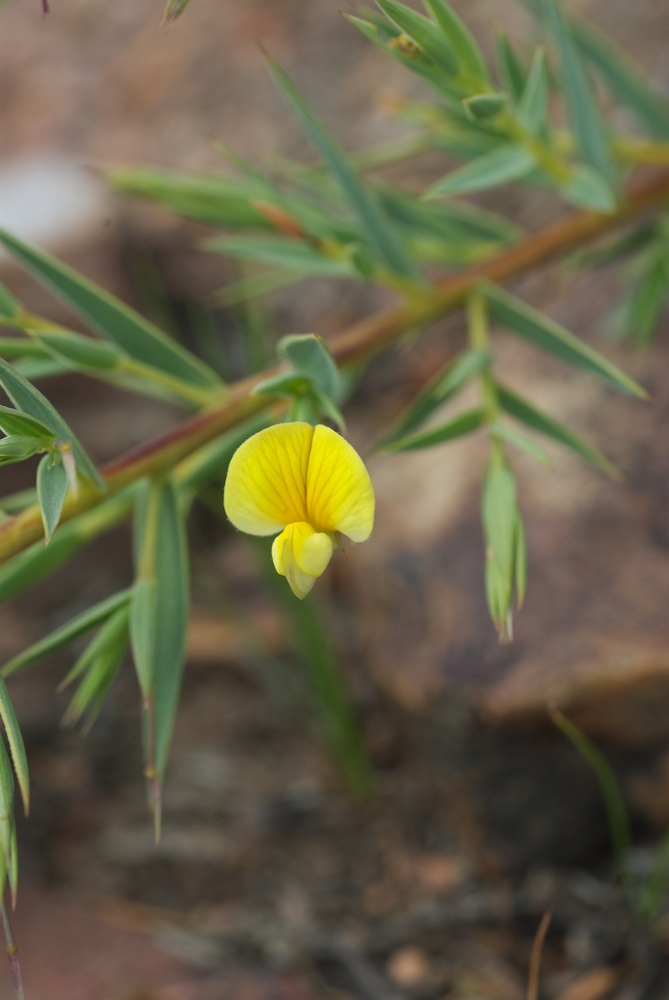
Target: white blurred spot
[47,199]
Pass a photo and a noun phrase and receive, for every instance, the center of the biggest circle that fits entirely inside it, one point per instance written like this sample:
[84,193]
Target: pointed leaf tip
[52,488]
[375,227]
[16,744]
[175,9]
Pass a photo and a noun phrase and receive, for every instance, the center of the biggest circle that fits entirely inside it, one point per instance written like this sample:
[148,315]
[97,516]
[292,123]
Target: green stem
[388,153]
[479,339]
[641,152]
[628,149]
[547,159]
[18,347]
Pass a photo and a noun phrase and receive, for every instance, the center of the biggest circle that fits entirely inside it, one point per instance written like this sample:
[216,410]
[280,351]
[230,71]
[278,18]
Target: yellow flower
[307,481]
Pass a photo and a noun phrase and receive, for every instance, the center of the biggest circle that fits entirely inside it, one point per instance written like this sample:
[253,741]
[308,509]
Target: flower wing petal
[265,488]
[340,496]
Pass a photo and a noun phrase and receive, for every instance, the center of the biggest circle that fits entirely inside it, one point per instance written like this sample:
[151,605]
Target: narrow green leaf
[500,520]
[623,77]
[549,336]
[36,368]
[360,260]
[142,632]
[309,355]
[29,400]
[469,55]
[6,804]
[614,800]
[16,744]
[110,317]
[521,441]
[287,384]
[481,107]
[424,33]
[588,189]
[80,352]
[94,687]
[328,409]
[646,303]
[10,308]
[505,163]
[16,422]
[521,563]
[52,487]
[453,130]
[283,252]
[159,614]
[287,211]
[526,413]
[3,870]
[532,108]
[214,199]
[374,226]
[511,67]
[175,9]
[448,231]
[583,112]
[620,246]
[464,423]
[439,391]
[99,664]
[16,448]
[68,632]
[254,286]
[20,347]
[249,202]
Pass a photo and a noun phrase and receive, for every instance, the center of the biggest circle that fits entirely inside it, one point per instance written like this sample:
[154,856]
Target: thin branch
[350,346]
[535,958]
[12,954]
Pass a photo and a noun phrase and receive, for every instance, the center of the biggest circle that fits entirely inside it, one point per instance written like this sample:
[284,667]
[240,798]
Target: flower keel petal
[301,555]
[308,481]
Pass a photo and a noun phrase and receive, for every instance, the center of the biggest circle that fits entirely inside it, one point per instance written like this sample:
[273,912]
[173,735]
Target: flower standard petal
[339,494]
[265,488]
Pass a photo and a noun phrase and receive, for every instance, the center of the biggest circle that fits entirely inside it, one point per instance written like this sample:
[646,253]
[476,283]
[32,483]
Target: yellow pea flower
[309,484]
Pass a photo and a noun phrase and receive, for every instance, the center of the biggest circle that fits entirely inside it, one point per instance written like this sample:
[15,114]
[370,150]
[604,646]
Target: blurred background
[277,878]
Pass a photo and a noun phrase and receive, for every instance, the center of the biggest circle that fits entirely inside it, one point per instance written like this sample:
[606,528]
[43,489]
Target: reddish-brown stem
[358,342]
[375,332]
